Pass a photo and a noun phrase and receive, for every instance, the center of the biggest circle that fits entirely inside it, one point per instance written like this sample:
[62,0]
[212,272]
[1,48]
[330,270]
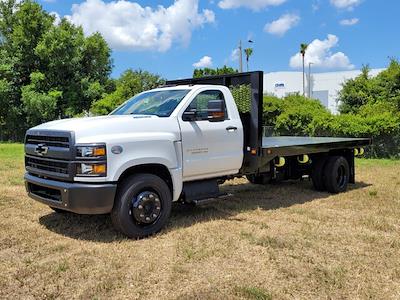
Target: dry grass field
[281,241]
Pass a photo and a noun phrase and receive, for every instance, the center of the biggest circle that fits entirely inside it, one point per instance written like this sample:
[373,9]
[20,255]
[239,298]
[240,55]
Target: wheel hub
[341,176]
[146,207]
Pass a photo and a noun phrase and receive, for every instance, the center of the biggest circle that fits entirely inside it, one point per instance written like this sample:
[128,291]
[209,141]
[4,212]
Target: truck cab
[182,133]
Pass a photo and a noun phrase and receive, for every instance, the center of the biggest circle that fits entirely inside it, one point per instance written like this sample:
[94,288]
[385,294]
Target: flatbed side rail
[271,151]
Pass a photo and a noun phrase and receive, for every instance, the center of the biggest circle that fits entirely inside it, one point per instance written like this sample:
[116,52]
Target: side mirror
[189,115]
[216,110]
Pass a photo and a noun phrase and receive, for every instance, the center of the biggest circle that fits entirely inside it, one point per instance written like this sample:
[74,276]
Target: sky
[171,38]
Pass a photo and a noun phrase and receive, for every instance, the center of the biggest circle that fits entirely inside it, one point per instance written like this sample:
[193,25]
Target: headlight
[91,160]
[89,169]
[91,151]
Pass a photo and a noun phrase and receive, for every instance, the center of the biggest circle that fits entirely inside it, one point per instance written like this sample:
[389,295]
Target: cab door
[211,146]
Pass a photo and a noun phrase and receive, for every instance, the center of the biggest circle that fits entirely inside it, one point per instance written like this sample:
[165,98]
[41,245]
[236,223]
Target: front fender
[168,154]
[175,173]
[141,161]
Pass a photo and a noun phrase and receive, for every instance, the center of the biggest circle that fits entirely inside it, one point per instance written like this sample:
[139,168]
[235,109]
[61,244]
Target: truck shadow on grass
[246,197]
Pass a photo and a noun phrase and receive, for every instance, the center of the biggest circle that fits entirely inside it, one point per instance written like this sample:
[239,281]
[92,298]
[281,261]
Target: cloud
[235,55]
[251,4]
[315,5]
[127,25]
[345,4]
[320,54]
[349,22]
[57,18]
[280,26]
[204,62]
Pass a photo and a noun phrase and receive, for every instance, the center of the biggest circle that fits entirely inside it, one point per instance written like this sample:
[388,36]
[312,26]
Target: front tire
[58,210]
[142,206]
[258,179]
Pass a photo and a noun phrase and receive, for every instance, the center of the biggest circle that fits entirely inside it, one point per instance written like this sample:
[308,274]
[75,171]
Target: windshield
[157,103]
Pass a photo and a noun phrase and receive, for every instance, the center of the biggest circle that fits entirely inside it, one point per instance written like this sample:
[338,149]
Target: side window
[200,104]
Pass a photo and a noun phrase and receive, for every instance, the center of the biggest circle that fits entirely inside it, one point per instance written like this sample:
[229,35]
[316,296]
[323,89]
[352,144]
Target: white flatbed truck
[174,143]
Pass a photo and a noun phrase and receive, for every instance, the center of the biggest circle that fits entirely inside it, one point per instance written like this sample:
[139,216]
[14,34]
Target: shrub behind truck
[174,143]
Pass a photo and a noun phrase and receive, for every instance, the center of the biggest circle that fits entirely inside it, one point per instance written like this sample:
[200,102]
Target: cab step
[206,201]
[202,191]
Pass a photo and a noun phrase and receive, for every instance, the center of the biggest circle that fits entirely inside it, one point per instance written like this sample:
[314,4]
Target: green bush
[298,116]
[293,115]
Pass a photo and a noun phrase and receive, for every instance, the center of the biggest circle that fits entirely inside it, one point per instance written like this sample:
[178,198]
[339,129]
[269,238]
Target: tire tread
[317,174]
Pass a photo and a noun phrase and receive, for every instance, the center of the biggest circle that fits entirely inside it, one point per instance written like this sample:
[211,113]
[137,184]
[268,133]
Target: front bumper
[80,198]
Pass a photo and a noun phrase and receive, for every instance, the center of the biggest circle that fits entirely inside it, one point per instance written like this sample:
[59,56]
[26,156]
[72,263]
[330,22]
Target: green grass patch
[253,293]
[372,162]
[373,193]
[11,151]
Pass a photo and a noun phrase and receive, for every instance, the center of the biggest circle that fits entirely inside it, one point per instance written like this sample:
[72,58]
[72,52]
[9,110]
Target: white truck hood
[110,128]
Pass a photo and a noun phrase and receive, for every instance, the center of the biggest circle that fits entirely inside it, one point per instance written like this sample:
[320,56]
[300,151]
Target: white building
[324,86]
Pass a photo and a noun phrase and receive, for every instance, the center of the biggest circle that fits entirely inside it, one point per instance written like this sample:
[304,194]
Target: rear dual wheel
[331,174]
[336,174]
[317,173]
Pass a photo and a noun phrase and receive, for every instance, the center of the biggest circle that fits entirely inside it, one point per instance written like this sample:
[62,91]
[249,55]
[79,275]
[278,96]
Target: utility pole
[309,79]
[240,57]
[303,49]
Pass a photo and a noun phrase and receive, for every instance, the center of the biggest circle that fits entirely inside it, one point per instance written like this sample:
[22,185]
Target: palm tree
[303,49]
[248,52]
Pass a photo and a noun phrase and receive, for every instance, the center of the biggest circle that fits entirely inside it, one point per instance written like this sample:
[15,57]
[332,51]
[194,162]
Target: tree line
[47,70]
[51,70]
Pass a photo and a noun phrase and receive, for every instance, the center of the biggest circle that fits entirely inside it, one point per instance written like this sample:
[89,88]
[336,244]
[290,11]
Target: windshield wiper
[143,115]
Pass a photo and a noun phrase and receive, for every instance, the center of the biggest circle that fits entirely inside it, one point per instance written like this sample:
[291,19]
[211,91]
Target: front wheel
[58,210]
[142,206]
[258,179]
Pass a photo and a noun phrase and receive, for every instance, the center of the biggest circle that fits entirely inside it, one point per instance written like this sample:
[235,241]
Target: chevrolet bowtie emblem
[41,149]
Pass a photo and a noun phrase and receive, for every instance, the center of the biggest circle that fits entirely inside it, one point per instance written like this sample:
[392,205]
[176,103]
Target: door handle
[231,128]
